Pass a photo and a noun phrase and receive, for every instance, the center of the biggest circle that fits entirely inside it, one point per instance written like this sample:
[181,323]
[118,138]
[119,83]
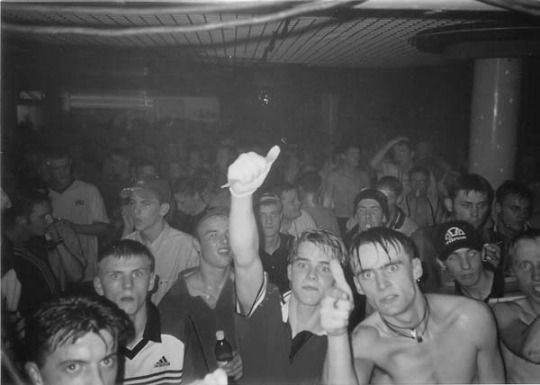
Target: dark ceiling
[322,33]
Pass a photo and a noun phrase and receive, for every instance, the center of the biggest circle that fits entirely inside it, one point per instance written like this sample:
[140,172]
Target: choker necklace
[411,332]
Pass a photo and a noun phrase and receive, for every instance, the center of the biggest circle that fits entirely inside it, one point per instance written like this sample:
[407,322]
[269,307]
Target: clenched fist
[248,171]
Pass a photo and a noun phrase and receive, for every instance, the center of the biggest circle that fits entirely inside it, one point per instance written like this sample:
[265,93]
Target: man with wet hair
[519,320]
[280,336]
[410,337]
[75,340]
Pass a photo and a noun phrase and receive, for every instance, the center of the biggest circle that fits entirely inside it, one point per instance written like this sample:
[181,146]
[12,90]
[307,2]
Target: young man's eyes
[73,368]
[368,274]
[526,265]
[109,361]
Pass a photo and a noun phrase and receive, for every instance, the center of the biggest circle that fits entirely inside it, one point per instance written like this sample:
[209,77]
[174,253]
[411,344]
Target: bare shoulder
[508,312]
[459,311]
[366,334]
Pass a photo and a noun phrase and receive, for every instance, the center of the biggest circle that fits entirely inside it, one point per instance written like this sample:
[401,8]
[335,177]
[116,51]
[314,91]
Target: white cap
[220,335]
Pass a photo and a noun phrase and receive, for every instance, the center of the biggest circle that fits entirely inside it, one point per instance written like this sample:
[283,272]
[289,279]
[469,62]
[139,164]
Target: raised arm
[376,160]
[245,175]
[336,307]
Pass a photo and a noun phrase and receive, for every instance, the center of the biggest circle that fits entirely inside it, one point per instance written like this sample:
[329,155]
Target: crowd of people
[337,269]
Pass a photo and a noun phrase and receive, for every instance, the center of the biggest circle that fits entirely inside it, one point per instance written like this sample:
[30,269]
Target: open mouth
[388,299]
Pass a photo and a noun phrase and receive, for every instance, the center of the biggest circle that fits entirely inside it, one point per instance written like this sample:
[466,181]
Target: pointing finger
[339,277]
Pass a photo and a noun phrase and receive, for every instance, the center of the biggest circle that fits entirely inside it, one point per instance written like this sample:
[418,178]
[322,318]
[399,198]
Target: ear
[289,271]
[151,282]
[417,268]
[449,204]
[164,209]
[196,246]
[33,373]
[358,286]
[384,219]
[98,287]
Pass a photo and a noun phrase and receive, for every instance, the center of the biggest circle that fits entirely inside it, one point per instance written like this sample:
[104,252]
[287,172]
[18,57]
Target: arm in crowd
[377,159]
[245,175]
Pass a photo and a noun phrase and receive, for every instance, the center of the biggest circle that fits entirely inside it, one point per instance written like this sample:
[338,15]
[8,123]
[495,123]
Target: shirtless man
[411,337]
[519,320]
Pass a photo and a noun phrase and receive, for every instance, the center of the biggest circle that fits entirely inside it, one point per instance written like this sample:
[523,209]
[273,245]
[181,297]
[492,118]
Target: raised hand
[248,171]
[337,304]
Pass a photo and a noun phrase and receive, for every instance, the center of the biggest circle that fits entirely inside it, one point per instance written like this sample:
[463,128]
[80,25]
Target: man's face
[125,281]
[352,157]
[514,211]
[471,206]
[39,219]
[465,266]
[309,274]
[119,164]
[291,204]
[91,360]
[59,171]
[270,217]
[387,278]
[146,209]
[369,214]
[526,267]
[402,153]
[187,204]
[214,240]
[419,183]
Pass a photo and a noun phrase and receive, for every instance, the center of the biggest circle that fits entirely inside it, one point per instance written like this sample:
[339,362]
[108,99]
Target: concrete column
[494,118]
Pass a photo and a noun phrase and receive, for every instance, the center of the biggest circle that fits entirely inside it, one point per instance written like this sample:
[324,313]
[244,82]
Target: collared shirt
[156,358]
[174,252]
[81,203]
[270,354]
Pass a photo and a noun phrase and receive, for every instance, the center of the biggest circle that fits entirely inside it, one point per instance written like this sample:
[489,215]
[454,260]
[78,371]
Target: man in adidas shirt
[126,276]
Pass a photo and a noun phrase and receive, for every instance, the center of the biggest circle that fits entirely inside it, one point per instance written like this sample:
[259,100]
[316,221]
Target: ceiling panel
[344,37]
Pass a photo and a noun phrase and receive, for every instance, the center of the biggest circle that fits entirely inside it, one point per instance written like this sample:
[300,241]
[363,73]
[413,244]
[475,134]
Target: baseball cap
[455,235]
[370,193]
[158,187]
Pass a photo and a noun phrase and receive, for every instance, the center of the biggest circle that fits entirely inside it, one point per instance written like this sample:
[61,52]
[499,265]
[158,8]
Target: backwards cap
[158,187]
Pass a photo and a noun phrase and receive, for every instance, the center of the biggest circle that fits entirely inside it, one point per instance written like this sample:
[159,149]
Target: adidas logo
[162,362]
[454,234]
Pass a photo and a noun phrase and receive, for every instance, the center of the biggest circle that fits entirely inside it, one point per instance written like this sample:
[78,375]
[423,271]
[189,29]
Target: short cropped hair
[511,187]
[383,237]
[391,183]
[128,248]
[63,320]
[218,211]
[324,240]
[527,235]
[23,205]
[470,182]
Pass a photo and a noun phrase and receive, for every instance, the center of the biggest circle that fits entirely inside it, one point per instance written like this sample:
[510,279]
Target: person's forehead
[214,223]
[90,347]
[527,249]
[369,203]
[270,208]
[144,194]
[373,256]
[471,196]
[516,199]
[463,251]
[127,262]
[312,252]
